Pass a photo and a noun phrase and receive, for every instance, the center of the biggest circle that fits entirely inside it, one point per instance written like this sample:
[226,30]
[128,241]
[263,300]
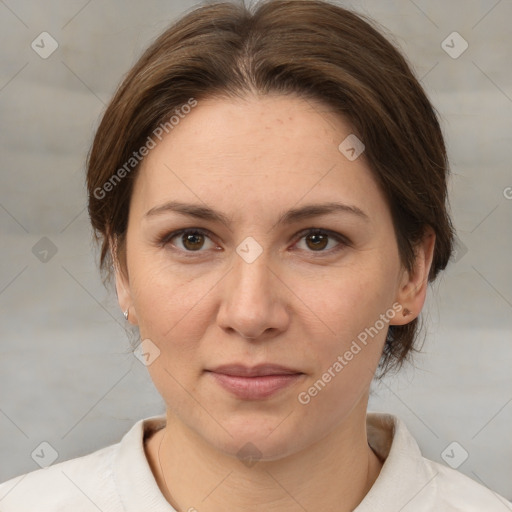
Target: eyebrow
[288,217]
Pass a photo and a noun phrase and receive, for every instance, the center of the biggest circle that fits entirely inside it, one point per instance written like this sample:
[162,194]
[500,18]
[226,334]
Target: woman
[269,192]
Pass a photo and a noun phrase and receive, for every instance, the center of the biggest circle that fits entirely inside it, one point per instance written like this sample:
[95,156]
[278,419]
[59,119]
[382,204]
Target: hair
[310,48]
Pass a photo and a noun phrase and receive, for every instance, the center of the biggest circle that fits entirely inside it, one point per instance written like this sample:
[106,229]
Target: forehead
[260,153]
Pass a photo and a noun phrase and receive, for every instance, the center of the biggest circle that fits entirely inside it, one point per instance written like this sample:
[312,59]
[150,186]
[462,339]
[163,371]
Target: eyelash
[343,241]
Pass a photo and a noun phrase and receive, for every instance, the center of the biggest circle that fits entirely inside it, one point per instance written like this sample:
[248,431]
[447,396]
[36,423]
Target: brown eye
[317,241]
[188,240]
[192,241]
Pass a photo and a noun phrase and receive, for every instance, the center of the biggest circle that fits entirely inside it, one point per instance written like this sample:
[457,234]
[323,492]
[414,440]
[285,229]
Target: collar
[133,477]
[404,474]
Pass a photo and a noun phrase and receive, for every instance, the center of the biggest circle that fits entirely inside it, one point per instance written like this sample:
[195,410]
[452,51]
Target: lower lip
[255,388]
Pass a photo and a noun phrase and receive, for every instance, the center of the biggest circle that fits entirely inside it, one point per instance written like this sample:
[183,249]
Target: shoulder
[109,479]
[80,484]
[457,492]
[413,483]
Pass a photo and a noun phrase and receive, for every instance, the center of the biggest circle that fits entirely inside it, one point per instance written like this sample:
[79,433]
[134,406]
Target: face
[249,284]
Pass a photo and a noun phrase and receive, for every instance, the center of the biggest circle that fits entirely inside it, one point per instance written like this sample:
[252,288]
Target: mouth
[261,370]
[257,382]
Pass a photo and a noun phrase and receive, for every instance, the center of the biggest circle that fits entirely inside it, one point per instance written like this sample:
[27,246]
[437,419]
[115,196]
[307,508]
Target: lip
[260,370]
[255,383]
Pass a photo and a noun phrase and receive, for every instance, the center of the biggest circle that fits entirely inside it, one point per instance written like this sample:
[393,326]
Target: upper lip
[240,370]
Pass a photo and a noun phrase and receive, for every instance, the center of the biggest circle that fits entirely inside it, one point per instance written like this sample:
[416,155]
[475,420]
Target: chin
[249,449]
[256,437]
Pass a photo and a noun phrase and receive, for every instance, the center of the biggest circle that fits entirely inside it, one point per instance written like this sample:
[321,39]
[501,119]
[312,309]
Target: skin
[299,304]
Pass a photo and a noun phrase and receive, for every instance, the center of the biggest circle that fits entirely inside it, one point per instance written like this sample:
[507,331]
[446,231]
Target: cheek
[355,309]
[347,354]
[347,300]
[170,312]
[169,306]
[164,294]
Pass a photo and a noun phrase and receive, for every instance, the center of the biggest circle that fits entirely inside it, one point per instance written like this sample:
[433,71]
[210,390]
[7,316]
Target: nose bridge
[251,269]
[249,305]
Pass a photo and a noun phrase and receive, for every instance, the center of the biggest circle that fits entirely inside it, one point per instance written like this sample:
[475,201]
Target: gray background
[67,375]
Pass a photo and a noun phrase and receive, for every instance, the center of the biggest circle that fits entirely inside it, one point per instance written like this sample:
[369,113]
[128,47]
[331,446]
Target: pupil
[193,240]
[318,238]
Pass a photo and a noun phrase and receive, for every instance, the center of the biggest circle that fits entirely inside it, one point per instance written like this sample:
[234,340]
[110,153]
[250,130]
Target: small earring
[125,313]
[406,312]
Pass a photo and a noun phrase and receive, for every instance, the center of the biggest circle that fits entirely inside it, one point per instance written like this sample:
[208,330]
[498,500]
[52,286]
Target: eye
[191,240]
[316,240]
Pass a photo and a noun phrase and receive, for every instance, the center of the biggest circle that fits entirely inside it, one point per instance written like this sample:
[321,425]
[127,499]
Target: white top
[118,478]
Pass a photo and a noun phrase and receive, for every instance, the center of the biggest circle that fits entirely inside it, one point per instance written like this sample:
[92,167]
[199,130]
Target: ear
[124,297]
[413,286]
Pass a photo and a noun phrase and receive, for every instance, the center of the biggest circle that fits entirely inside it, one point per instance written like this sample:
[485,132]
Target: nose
[253,300]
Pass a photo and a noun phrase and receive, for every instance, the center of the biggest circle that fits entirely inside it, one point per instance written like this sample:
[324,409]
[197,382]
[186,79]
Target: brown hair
[312,48]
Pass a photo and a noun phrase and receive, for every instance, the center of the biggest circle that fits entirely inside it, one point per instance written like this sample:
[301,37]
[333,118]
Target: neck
[333,474]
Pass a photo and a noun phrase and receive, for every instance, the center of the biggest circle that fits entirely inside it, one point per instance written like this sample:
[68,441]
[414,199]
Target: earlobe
[414,284]
[123,291]
[124,298]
